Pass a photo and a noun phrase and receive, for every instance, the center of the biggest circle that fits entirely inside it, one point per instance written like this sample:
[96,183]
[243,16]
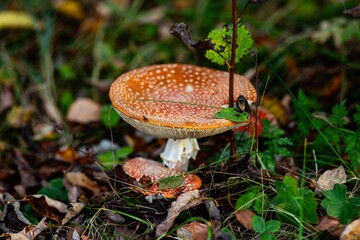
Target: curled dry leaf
[329,178]
[194,230]
[19,116]
[47,207]
[245,218]
[15,220]
[352,231]
[29,232]
[53,209]
[84,111]
[184,202]
[81,180]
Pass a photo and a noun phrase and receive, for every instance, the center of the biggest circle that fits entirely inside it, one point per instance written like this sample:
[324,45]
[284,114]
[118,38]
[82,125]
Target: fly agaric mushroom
[143,169]
[178,102]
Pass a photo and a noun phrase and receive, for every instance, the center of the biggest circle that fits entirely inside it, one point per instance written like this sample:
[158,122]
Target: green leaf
[339,113]
[357,114]
[221,39]
[109,159]
[171,182]
[290,198]
[232,114]
[55,190]
[124,152]
[266,236]
[245,201]
[272,226]
[352,149]
[339,206]
[258,224]
[109,116]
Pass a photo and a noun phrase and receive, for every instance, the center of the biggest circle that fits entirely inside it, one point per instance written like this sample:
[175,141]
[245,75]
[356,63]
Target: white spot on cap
[189,88]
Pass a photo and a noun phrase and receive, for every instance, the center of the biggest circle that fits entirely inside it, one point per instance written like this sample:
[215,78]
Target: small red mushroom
[151,171]
[178,102]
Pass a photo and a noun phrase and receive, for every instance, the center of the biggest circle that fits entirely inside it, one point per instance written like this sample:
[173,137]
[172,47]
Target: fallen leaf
[194,231]
[353,12]
[19,116]
[352,231]
[184,202]
[286,166]
[29,232]
[70,8]
[11,218]
[182,31]
[329,178]
[16,19]
[6,97]
[67,153]
[330,224]
[47,207]
[84,111]
[27,173]
[73,209]
[81,180]
[245,218]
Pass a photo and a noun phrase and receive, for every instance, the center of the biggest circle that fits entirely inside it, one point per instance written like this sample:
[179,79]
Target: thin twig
[232,72]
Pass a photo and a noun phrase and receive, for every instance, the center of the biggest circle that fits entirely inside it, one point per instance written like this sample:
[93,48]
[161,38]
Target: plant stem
[232,72]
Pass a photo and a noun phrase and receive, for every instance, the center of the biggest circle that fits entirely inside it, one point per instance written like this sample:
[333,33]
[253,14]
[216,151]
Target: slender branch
[232,72]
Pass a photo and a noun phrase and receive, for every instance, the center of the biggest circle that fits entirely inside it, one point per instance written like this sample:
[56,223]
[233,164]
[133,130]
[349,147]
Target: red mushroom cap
[177,101]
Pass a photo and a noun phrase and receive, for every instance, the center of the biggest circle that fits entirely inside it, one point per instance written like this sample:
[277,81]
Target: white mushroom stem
[177,153]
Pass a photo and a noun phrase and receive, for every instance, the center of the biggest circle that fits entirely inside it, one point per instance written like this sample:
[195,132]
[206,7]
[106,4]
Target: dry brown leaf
[194,231]
[245,218]
[16,19]
[329,178]
[6,97]
[47,207]
[67,153]
[84,111]
[286,166]
[11,215]
[71,8]
[26,171]
[19,116]
[29,232]
[330,224]
[81,180]
[352,231]
[73,210]
[184,202]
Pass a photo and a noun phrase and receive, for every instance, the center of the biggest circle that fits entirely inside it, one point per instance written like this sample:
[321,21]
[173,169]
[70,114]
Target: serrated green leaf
[339,113]
[352,149]
[232,114]
[221,40]
[171,182]
[339,206]
[290,198]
